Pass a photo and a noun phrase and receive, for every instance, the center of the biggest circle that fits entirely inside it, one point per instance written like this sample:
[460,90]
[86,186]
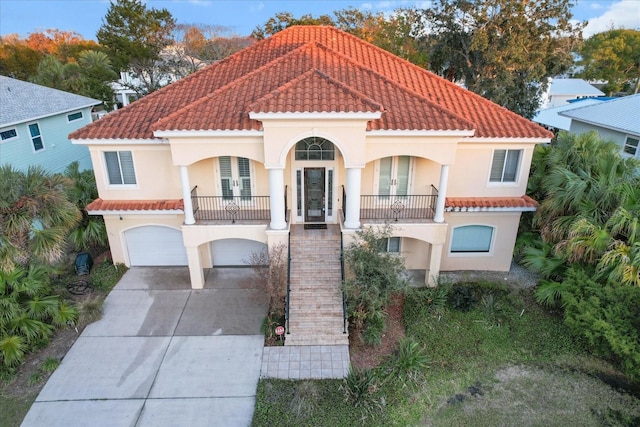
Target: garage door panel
[155,246]
[234,252]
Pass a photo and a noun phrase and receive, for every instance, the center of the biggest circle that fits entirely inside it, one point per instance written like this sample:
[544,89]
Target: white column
[352,216]
[276,199]
[186,196]
[442,193]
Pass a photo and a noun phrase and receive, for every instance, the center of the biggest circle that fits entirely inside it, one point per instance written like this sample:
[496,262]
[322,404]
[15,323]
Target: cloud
[256,8]
[621,14]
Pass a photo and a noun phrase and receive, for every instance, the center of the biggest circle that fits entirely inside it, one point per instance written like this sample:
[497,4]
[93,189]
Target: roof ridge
[429,74]
[399,86]
[308,74]
[228,85]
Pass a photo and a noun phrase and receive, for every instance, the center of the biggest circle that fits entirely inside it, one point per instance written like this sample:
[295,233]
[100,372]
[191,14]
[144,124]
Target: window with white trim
[120,170]
[505,165]
[235,177]
[631,146]
[392,245]
[8,134]
[74,116]
[472,239]
[36,137]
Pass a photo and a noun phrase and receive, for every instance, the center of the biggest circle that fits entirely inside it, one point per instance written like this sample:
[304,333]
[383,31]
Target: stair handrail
[288,298]
[344,293]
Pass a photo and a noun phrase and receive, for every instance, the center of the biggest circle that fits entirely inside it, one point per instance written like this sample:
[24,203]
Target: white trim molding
[316,115]
[120,141]
[402,132]
[209,132]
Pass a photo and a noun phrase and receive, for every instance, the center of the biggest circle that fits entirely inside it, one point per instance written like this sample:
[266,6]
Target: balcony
[409,208]
[230,209]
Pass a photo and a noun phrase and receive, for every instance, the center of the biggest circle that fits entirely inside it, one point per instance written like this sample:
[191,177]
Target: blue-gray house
[35,122]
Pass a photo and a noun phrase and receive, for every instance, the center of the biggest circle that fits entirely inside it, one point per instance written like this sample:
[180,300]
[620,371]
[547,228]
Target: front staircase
[315,305]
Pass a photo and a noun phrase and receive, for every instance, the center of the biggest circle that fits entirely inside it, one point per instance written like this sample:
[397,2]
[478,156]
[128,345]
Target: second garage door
[235,252]
[154,245]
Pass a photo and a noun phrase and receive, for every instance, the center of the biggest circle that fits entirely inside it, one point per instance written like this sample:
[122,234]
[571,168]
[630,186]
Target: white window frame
[7,130]
[504,163]
[394,176]
[69,120]
[637,147]
[106,169]
[473,253]
[235,177]
[31,137]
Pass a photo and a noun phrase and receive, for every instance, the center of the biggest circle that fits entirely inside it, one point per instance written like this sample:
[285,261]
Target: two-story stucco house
[35,122]
[311,126]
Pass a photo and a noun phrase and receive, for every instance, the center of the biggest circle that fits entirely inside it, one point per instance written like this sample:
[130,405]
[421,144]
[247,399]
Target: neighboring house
[617,120]
[35,122]
[551,118]
[311,126]
[561,91]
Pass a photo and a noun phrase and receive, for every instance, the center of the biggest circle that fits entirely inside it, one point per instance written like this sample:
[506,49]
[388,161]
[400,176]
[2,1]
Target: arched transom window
[315,148]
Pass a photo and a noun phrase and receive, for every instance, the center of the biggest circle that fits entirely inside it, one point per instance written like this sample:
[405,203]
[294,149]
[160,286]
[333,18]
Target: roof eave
[360,115]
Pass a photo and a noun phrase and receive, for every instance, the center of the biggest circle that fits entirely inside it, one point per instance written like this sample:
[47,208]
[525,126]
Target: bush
[374,328]
[412,359]
[608,316]
[359,388]
[105,275]
[462,298]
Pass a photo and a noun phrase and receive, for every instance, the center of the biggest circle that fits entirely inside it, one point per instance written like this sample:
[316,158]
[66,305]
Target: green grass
[506,361]
[13,409]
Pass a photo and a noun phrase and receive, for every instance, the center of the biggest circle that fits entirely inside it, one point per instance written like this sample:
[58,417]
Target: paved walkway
[305,362]
[162,355]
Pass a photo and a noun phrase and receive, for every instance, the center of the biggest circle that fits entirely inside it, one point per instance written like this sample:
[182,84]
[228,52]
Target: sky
[241,17]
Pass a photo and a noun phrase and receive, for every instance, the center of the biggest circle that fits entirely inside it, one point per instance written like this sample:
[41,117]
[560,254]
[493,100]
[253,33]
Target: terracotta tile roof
[314,91]
[487,203]
[222,95]
[135,205]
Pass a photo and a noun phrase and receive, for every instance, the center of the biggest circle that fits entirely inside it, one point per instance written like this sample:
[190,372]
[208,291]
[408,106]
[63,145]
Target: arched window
[315,148]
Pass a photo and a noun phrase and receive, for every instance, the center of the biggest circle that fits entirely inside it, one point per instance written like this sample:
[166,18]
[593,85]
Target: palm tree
[91,230]
[35,217]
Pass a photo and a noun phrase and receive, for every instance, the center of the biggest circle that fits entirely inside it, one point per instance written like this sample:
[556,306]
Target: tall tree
[503,50]
[613,56]
[135,36]
[282,20]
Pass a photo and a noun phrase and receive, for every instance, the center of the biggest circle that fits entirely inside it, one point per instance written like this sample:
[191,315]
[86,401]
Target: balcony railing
[227,208]
[396,208]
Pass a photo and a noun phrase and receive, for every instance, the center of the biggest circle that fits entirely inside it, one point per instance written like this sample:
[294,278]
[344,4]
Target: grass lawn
[504,361]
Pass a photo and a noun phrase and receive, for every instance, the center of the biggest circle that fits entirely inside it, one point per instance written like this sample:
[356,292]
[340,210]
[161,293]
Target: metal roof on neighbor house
[620,114]
[311,69]
[551,116]
[22,101]
[577,87]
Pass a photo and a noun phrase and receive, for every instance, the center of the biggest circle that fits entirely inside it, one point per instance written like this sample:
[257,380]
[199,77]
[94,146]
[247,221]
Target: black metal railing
[344,203]
[286,205]
[398,207]
[230,208]
[288,297]
[344,293]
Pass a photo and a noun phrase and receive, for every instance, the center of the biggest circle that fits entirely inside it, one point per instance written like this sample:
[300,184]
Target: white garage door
[153,245]
[235,251]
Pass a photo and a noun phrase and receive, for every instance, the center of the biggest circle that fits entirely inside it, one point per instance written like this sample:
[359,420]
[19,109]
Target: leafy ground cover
[496,359]
[19,389]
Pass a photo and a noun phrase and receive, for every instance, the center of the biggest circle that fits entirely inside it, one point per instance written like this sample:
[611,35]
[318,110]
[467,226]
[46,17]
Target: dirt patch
[367,357]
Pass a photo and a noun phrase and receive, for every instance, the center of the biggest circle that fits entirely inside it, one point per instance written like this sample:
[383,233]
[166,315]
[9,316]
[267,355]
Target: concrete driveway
[163,355]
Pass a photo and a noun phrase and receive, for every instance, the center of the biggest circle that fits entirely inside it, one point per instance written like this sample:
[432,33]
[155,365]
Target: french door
[394,176]
[235,177]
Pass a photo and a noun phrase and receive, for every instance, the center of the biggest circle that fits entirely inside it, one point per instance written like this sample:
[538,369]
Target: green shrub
[411,358]
[374,328]
[359,387]
[462,298]
[608,316]
[105,275]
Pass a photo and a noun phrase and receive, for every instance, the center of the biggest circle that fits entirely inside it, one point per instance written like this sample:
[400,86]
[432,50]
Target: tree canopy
[613,56]
[503,50]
